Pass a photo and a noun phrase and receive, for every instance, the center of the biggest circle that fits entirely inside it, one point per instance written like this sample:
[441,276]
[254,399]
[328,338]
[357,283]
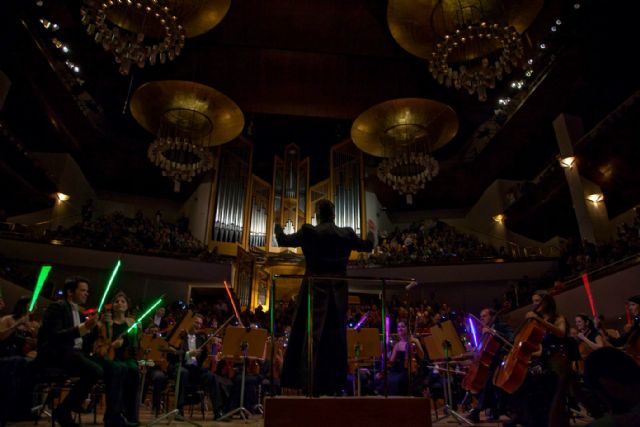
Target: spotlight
[567,162]
[500,218]
[62,197]
[595,197]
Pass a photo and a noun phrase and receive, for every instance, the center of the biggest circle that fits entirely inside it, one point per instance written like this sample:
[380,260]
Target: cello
[480,368]
[514,368]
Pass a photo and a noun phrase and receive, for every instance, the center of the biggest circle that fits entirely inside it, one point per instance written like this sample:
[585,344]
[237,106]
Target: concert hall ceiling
[301,72]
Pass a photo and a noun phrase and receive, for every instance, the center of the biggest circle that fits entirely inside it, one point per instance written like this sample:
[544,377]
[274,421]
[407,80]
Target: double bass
[511,373]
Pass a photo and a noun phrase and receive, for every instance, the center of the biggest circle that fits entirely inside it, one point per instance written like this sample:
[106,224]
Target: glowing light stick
[106,291]
[44,272]
[361,321]
[145,314]
[587,287]
[233,303]
[473,332]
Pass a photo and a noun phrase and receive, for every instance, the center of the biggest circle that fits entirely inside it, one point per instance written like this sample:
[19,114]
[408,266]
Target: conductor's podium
[289,411]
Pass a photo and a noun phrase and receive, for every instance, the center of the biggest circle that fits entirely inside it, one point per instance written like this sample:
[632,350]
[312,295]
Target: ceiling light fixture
[567,162]
[595,197]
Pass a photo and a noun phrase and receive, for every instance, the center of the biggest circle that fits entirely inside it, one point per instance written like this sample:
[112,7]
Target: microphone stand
[448,395]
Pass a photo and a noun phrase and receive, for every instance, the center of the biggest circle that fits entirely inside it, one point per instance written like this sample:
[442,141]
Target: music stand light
[362,344]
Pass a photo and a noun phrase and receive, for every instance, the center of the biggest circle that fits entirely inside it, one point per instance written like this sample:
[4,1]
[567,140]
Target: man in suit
[64,333]
[326,249]
[192,372]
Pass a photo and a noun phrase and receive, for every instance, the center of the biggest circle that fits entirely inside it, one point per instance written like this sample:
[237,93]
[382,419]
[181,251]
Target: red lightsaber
[587,287]
[233,303]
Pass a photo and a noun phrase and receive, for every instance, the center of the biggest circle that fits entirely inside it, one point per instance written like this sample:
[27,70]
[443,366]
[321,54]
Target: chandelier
[178,148]
[405,132]
[152,33]
[408,164]
[188,119]
[141,31]
[469,44]
[476,78]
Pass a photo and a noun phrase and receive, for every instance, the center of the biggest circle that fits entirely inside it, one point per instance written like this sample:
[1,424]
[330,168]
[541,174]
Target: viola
[511,373]
[479,369]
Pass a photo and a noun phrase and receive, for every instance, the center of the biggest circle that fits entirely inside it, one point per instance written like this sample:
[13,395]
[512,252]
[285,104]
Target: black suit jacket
[57,335]
[200,339]
[326,247]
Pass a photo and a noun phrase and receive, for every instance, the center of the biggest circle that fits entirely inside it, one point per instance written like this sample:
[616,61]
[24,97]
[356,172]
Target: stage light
[567,162]
[499,218]
[62,197]
[595,197]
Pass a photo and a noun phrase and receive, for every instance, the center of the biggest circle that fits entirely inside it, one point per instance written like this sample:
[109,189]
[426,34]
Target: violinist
[192,372]
[587,336]
[159,321]
[491,396]
[17,334]
[124,349]
[629,340]
[554,353]
[18,331]
[402,359]
[64,333]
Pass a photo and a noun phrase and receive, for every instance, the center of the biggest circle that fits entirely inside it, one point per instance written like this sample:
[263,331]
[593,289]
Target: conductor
[326,249]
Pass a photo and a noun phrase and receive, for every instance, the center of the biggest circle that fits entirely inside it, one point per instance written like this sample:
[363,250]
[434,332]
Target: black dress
[326,249]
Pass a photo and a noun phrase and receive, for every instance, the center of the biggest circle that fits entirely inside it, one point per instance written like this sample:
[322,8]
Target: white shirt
[77,343]
[191,342]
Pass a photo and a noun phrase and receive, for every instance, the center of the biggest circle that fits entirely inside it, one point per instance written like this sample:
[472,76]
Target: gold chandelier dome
[195,16]
[417,25]
[404,121]
[194,108]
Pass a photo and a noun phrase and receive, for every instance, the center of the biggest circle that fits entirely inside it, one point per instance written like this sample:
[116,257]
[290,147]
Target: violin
[511,373]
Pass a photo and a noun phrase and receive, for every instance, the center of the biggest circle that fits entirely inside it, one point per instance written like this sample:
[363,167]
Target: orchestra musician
[491,396]
[401,360]
[326,249]
[17,343]
[18,332]
[629,340]
[587,336]
[112,350]
[159,321]
[554,353]
[64,333]
[192,371]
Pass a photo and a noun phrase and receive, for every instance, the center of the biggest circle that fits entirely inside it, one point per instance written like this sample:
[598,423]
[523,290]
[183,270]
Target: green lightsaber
[106,291]
[146,313]
[44,272]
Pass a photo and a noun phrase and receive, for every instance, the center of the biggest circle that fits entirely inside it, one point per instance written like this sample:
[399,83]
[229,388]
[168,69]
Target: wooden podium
[289,411]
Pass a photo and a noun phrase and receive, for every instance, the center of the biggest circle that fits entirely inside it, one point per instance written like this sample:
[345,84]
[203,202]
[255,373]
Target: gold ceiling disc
[403,121]
[189,106]
[417,24]
[196,16]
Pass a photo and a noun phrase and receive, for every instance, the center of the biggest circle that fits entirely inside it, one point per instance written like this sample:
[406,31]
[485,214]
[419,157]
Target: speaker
[289,411]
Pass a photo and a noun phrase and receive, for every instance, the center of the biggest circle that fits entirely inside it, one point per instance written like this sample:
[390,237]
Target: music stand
[243,343]
[362,344]
[445,337]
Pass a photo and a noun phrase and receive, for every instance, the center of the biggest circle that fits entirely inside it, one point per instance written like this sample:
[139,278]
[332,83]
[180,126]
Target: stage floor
[255,421]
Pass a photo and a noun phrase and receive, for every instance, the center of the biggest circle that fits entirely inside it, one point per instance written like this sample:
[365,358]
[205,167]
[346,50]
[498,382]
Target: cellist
[554,353]
[491,396]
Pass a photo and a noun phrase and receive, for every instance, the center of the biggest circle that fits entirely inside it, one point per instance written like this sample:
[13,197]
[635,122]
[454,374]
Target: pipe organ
[246,207]
[234,171]
[259,220]
[347,185]
[290,188]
